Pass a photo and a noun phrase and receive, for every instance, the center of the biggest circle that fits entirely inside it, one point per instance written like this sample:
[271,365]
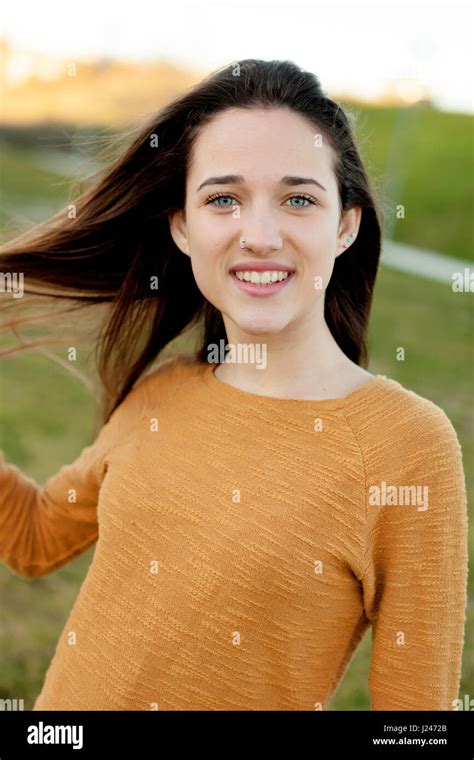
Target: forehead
[250,141]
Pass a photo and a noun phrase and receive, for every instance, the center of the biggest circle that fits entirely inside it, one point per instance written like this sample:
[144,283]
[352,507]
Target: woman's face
[281,228]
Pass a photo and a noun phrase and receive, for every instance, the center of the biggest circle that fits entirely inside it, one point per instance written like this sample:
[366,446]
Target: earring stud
[348,240]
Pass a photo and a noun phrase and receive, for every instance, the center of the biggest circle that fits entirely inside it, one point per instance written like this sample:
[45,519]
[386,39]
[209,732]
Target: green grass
[53,418]
[23,181]
[434,158]
[28,194]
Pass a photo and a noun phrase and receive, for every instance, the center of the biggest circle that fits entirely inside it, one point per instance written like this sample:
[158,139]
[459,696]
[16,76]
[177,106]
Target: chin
[256,327]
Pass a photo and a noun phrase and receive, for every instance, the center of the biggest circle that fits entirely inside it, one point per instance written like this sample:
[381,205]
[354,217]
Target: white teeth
[262,278]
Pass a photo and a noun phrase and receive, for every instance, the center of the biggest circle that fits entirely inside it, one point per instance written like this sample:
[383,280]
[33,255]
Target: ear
[349,226]
[177,223]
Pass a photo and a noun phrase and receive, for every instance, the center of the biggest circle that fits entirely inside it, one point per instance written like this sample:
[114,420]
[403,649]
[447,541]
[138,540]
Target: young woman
[256,512]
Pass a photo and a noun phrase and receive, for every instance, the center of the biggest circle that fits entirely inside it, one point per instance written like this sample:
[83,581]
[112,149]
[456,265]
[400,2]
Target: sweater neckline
[230,392]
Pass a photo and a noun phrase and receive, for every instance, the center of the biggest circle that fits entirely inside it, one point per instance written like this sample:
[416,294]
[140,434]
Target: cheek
[214,228]
[213,245]
[316,241]
[207,266]
[317,245]
[210,239]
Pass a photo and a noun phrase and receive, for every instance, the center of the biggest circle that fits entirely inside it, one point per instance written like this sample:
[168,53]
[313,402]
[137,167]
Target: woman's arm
[43,527]
[416,576]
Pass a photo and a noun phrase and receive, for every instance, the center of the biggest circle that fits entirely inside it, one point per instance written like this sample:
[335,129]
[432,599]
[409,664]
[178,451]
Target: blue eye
[301,198]
[218,196]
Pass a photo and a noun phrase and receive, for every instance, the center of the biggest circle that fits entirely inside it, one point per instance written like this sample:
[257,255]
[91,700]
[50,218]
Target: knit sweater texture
[245,544]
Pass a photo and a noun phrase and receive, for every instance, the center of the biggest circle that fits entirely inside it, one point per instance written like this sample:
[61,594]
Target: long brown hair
[119,239]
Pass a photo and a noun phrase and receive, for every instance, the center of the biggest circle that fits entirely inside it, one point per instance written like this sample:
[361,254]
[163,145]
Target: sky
[354,48]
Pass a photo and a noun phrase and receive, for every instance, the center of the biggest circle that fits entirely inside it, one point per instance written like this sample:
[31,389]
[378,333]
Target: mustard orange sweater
[244,545]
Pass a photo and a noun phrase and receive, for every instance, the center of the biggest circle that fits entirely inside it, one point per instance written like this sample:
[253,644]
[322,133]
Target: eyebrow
[235,179]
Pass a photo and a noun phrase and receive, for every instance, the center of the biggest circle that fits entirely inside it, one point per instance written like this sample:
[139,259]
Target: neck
[286,366]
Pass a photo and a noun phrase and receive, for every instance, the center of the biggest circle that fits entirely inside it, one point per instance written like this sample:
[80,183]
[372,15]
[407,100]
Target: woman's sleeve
[415,581]
[43,527]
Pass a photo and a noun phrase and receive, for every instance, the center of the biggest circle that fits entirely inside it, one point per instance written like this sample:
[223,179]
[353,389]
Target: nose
[260,233]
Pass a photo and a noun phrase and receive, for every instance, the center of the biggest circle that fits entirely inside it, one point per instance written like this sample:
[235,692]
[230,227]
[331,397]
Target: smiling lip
[260,266]
[256,289]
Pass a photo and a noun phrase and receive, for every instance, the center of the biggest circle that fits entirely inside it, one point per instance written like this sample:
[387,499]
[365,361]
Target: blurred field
[47,416]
